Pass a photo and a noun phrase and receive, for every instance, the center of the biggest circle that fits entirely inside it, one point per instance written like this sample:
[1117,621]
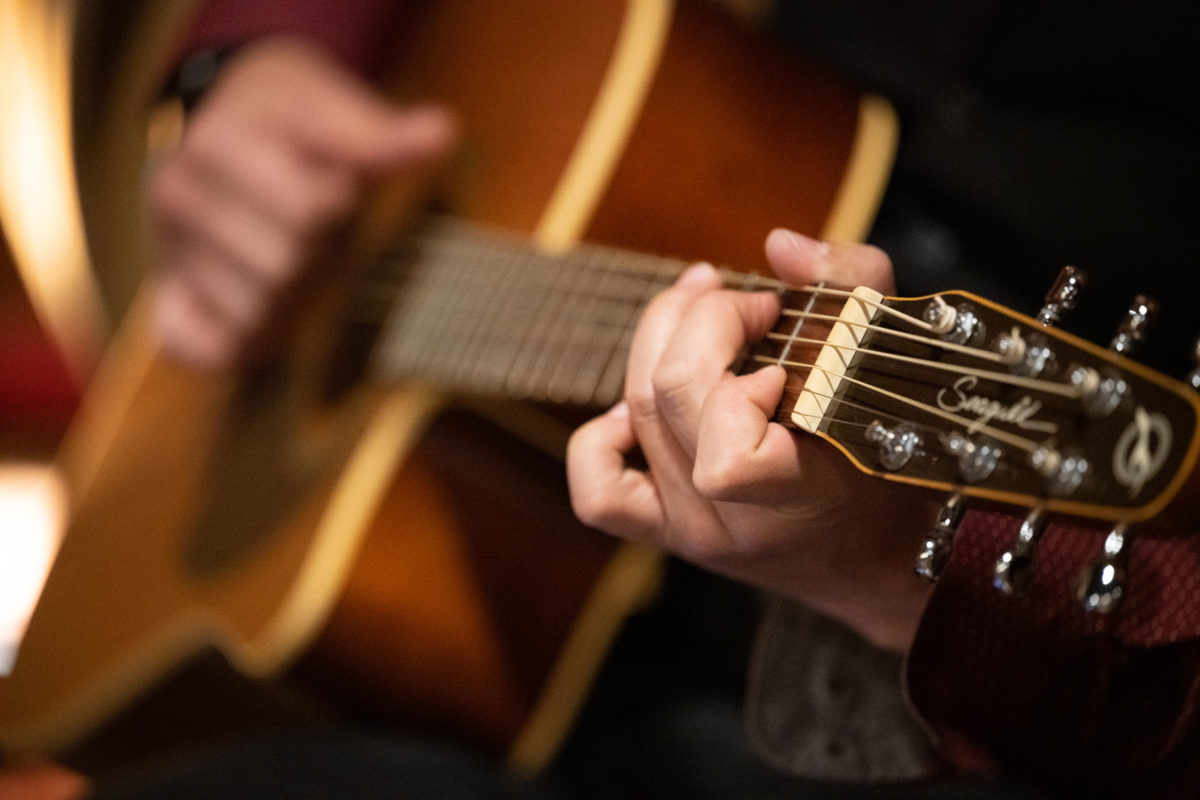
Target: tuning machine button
[1101,585]
[1193,377]
[1063,472]
[976,460]
[937,546]
[896,445]
[1013,573]
[1100,394]
[1061,297]
[1132,330]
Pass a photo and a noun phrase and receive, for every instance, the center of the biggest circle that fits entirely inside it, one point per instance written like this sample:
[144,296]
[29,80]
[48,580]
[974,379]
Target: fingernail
[699,274]
[806,244]
[619,411]
[801,257]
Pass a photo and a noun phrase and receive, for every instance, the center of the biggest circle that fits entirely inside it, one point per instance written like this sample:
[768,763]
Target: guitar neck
[1005,410]
[482,312]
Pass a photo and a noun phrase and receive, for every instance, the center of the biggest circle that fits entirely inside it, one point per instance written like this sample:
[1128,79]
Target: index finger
[711,335]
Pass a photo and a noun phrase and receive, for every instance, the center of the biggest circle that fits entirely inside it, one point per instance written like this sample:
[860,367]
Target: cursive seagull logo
[957,398]
[1141,450]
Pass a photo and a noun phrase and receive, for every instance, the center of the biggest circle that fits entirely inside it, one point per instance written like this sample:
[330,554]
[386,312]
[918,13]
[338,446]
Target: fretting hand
[733,491]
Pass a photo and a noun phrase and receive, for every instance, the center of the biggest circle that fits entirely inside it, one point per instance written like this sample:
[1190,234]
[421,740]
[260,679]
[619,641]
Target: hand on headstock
[949,392]
[728,487]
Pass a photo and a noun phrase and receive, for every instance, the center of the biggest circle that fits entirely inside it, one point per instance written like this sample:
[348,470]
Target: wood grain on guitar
[248,513]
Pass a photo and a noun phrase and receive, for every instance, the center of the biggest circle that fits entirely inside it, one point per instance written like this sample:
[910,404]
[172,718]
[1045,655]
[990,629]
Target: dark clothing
[1035,135]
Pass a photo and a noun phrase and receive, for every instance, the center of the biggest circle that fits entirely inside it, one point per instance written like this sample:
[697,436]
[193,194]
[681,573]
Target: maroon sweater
[1084,704]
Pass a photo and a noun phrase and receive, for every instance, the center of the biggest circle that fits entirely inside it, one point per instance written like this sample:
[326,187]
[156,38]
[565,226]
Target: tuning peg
[1193,377]
[976,460]
[896,445]
[1101,585]
[1132,330]
[936,549]
[1061,297]
[1014,569]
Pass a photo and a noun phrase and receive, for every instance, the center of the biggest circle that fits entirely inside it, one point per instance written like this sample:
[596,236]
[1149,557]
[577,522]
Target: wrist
[871,584]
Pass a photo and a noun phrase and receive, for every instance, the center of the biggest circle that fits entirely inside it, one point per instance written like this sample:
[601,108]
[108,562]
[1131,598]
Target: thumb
[799,260]
[360,129]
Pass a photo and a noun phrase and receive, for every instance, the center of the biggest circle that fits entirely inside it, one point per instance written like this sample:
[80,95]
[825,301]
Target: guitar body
[403,549]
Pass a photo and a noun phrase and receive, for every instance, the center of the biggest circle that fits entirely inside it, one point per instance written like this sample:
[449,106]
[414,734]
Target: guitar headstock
[958,394]
[1000,406]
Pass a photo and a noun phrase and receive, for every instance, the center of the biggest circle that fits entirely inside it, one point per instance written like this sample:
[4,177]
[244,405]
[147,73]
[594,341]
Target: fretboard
[483,312]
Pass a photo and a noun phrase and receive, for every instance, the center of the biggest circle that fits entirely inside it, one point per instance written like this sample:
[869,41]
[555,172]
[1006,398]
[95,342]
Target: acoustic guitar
[384,529]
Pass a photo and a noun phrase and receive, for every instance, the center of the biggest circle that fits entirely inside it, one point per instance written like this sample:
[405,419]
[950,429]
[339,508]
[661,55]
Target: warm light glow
[39,203]
[33,512]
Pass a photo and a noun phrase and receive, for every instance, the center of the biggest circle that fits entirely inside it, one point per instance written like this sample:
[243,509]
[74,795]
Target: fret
[456,267]
[568,321]
[611,382]
[483,312]
[503,279]
[589,348]
[548,311]
[408,332]
[578,349]
[607,322]
[523,315]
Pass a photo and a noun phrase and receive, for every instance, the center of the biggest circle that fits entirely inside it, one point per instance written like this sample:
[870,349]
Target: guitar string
[1016,441]
[985,355]
[496,291]
[564,375]
[813,293]
[1035,384]
[877,412]
[435,241]
[587,286]
[635,261]
[800,319]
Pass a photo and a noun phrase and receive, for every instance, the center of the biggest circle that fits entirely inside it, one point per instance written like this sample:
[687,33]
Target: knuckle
[875,262]
[588,508]
[718,477]
[643,405]
[670,380]
[599,510]
[704,549]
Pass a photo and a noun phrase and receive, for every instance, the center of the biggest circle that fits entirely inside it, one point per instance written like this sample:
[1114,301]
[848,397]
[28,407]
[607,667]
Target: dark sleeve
[356,31]
[822,704]
[1081,703]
